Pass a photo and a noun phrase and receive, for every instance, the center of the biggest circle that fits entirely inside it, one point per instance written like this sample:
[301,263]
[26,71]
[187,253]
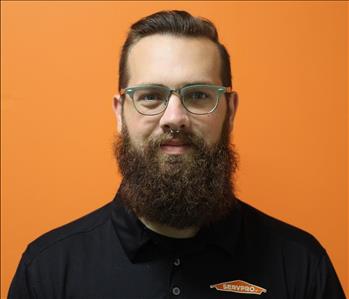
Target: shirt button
[176,291]
[177,262]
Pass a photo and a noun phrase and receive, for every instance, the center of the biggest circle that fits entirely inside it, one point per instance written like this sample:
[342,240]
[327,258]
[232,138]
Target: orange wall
[59,73]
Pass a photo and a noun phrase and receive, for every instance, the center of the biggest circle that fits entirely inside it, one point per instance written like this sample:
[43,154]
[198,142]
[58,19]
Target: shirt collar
[131,232]
[225,233]
[140,243]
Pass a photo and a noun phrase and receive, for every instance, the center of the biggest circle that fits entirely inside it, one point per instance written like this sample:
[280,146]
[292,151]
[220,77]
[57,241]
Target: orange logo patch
[238,286]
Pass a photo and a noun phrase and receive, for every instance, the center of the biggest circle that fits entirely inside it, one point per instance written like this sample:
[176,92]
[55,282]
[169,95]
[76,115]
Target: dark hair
[173,22]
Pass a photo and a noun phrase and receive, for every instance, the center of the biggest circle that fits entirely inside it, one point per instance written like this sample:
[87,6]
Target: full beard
[179,191]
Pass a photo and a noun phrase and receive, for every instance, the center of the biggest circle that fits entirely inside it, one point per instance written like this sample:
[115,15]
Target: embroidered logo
[238,286]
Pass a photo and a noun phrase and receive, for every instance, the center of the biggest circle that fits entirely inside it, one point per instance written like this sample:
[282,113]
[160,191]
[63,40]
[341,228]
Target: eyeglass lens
[196,99]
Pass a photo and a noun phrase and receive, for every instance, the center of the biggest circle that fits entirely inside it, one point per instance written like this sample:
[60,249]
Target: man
[175,227]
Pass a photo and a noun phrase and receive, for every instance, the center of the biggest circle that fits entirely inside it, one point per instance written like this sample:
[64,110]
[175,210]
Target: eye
[197,95]
[148,96]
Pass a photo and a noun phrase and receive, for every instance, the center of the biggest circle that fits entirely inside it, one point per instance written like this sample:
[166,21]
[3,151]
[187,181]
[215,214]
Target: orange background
[59,73]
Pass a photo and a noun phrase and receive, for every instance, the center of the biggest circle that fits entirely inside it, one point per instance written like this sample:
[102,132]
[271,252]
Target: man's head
[177,165]
[175,23]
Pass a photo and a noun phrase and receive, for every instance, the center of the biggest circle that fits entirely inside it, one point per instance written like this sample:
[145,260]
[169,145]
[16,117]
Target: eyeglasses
[152,99]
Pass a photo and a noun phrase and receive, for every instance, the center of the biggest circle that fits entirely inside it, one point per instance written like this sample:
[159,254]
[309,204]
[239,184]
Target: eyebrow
[184,84]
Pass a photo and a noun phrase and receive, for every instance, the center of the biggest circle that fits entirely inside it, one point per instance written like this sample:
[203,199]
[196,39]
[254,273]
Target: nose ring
[174,131]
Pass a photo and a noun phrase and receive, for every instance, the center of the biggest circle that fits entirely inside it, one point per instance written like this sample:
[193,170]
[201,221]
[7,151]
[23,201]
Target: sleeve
[20,287]
[326,282]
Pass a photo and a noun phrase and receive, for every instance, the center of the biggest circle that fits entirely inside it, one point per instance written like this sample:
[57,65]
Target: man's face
[174,62]
[179,179]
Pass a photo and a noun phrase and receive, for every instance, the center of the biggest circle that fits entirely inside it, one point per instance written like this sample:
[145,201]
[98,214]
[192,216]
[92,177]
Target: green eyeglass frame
[219,90]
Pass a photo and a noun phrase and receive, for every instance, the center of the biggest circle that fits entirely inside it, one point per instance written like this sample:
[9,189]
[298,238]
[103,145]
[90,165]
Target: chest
[210,274]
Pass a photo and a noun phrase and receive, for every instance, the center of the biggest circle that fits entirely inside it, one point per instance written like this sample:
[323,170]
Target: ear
[117,107]
[233,102]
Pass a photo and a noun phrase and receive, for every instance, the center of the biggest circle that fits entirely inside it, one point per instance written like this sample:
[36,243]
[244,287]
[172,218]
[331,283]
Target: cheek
[139,127]
[212,129]
[210,126]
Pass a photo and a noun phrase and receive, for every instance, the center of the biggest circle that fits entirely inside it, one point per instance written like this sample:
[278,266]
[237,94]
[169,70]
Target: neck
[169,231]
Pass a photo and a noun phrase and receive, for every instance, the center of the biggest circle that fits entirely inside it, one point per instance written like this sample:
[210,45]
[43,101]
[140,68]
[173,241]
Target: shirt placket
[176,284]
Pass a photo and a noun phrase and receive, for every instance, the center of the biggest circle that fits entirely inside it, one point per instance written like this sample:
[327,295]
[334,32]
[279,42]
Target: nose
[175,116]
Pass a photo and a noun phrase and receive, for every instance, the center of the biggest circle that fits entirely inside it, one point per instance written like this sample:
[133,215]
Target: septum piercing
[174,131]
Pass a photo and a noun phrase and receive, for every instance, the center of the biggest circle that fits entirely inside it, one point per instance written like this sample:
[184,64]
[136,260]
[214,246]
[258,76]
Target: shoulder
[291,256]
[277,233]
[69,233]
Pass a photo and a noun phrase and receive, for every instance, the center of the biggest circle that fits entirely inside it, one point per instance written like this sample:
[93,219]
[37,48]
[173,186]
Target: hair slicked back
[173,22]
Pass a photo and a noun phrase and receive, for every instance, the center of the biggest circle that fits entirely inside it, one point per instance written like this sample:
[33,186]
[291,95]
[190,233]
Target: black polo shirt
[111,254]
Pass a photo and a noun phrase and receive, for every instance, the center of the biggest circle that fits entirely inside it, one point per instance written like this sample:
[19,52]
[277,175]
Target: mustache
[184,137]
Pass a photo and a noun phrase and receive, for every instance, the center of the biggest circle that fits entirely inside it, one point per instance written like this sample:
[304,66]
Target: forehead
[173,61]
